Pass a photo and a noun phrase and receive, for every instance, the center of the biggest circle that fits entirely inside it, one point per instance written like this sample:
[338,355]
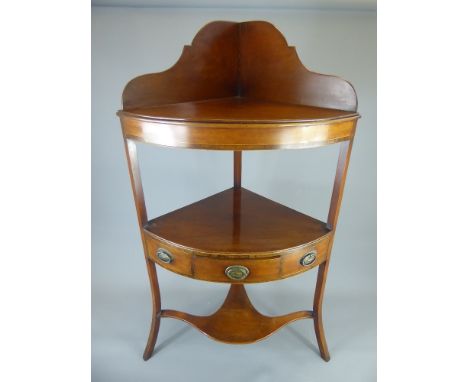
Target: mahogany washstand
[239,86]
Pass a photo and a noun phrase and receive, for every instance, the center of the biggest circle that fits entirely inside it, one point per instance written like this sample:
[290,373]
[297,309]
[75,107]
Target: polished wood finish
[271,70]
[238,135]
[238,86]
[211,267]
[238,110]
[249,59]
[290,263]
[237,223]
[135,179]
[260,270]
[237,169]
[338,186]
[237,227]
[156,315]
[223,325]
[137,189]
[335,204]
[318,320]
[206,69]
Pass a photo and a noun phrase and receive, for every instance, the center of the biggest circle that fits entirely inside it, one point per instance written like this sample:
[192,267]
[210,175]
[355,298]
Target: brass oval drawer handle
[237,272]
[164,255]
[308,258]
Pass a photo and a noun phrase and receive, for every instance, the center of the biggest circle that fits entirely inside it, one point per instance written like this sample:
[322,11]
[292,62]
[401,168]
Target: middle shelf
[236,227]
[237,221]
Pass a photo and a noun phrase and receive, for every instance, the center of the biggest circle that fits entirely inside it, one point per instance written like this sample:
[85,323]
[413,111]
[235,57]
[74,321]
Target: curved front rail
[237,136]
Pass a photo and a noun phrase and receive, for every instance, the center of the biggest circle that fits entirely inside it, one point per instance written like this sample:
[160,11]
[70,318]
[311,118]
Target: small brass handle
[308,258]
[237,272]
[164,255]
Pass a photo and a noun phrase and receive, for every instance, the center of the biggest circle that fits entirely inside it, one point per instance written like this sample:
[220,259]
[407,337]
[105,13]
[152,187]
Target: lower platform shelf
[223,325]
[236,236]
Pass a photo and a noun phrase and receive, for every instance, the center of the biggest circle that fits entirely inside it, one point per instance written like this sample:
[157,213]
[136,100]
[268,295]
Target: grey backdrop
[127,42]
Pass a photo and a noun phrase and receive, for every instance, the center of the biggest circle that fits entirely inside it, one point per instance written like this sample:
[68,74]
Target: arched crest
[249,59]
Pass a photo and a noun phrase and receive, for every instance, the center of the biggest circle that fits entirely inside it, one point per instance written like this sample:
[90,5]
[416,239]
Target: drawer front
[170,257]
[184,262]
[305,258]
[235,271]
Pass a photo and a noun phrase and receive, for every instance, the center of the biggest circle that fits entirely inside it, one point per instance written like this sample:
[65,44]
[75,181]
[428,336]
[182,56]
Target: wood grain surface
[237,223]
[238,86]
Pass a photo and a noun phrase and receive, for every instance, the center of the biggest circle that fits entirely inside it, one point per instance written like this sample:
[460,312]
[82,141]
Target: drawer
[216,269]
[292,264]
[173,258]
[232,270]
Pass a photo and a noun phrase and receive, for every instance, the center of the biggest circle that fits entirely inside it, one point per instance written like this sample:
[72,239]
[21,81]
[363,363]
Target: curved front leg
[138,196]
[156,316]
[318,299]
